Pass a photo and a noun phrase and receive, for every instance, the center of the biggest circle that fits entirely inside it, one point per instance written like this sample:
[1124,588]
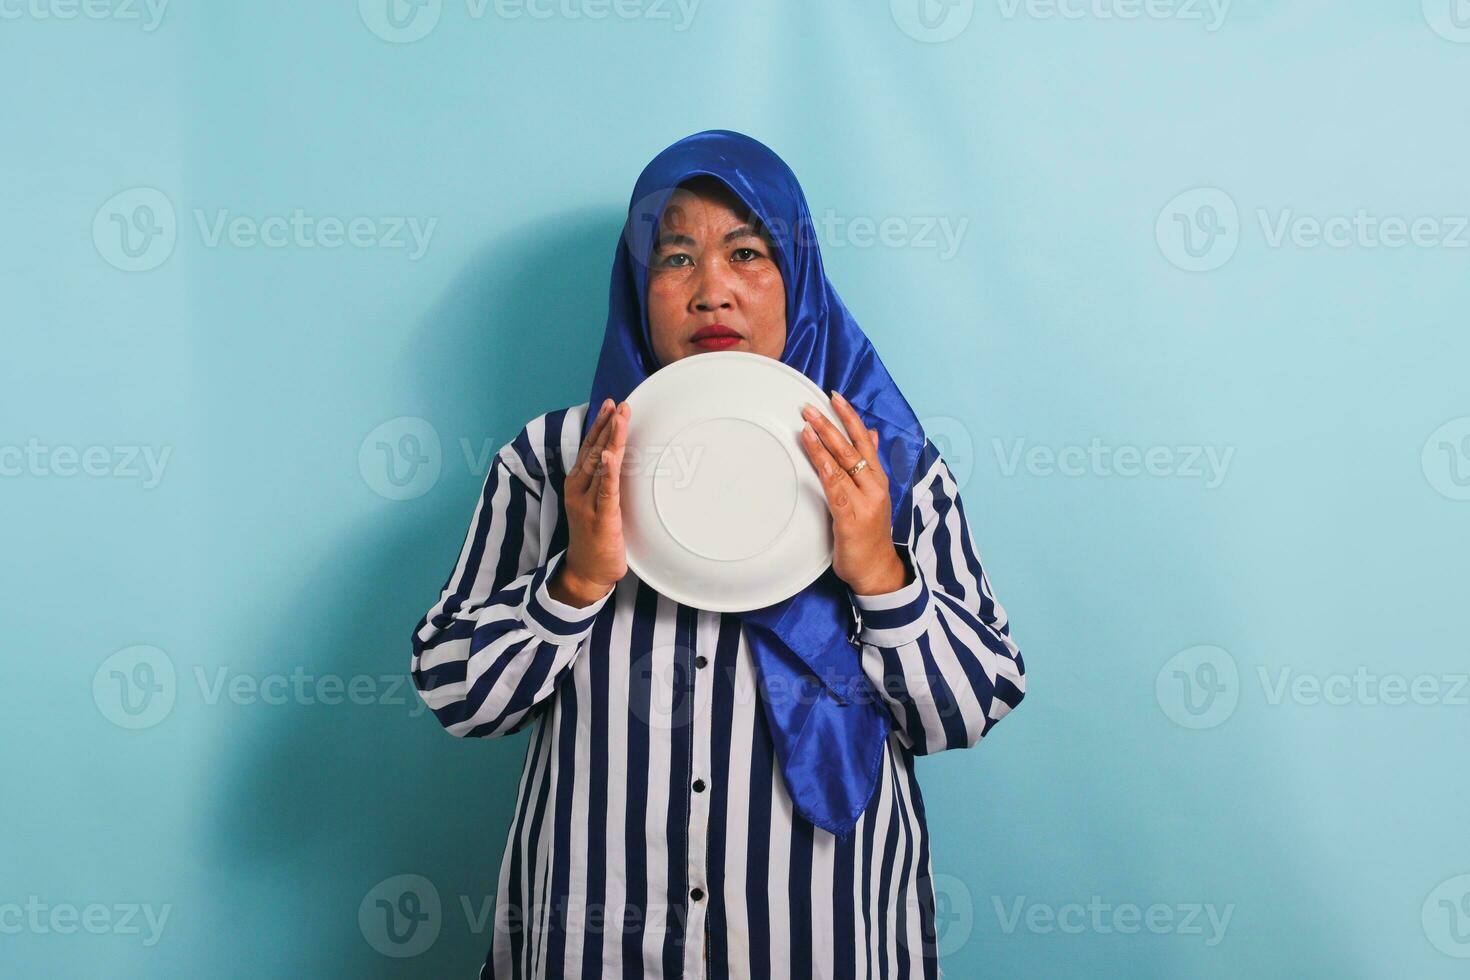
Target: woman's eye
[673,260]
[746,254]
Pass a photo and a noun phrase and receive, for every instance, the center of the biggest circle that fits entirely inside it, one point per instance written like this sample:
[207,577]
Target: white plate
[722,509]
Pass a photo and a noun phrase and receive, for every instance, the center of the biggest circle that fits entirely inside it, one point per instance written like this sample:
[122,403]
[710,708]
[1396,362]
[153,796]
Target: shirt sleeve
[487,655]
[939,649]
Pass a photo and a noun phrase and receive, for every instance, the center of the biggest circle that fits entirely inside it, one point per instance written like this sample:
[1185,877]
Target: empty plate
[722,509]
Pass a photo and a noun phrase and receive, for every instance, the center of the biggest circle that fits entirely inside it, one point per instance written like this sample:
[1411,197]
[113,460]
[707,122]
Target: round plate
[722,509]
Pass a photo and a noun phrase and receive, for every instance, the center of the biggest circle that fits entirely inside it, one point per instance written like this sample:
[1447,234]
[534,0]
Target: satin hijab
[828,722]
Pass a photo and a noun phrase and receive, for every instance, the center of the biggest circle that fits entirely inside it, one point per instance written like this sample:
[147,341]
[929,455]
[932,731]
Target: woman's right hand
[595,560]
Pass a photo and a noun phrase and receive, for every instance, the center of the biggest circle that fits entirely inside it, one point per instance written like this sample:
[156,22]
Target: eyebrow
[739,231]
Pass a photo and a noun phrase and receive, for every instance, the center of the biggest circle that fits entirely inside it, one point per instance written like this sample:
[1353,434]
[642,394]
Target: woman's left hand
[863,554]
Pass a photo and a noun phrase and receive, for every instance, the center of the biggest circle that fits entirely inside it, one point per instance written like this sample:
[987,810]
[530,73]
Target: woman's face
[713,283]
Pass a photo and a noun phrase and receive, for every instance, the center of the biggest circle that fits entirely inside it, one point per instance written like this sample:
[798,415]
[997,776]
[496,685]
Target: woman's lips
[718,341]
[715,336]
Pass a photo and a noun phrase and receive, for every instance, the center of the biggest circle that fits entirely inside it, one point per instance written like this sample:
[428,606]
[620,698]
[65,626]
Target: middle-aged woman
[677,815]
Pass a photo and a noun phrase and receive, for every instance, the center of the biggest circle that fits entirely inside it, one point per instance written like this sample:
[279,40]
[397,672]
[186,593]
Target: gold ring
[857,467]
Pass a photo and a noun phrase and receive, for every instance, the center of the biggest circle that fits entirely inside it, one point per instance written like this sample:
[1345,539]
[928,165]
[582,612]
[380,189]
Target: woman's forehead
[708,192]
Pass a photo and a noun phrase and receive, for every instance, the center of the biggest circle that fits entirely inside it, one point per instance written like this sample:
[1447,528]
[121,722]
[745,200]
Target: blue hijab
[827,720]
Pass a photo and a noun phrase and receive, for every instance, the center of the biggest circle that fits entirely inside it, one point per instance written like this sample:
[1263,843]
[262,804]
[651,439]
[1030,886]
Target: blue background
[1068,315]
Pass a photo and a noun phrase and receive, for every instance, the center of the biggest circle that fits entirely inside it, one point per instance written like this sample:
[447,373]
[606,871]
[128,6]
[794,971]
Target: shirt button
[696,893]
[700,661]
[699,786]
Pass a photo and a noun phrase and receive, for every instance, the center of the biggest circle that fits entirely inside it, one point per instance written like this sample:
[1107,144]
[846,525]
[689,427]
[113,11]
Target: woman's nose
[713,290]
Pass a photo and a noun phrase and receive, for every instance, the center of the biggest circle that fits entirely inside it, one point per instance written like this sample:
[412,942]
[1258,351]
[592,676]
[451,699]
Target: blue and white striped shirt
[653,836]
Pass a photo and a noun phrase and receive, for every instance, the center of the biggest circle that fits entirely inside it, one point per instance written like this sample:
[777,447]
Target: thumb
[608,489]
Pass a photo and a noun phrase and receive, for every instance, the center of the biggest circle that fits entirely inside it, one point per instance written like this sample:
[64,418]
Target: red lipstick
[715,336]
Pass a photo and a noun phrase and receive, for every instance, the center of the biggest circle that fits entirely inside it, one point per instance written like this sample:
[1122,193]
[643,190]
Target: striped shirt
[652,835]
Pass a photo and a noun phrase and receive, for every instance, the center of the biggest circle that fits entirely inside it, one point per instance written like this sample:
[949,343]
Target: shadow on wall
[325,804]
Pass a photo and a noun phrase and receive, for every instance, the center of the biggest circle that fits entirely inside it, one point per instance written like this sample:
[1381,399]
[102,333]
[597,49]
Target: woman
[677,814]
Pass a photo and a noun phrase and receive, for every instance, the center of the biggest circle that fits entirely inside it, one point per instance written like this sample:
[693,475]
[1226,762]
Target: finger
[610,463]
[856,430]
[619,437]
[609,489]
[828,470]
[594,455]
[581,468]
[842,450]
[590,491]
[617,430]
